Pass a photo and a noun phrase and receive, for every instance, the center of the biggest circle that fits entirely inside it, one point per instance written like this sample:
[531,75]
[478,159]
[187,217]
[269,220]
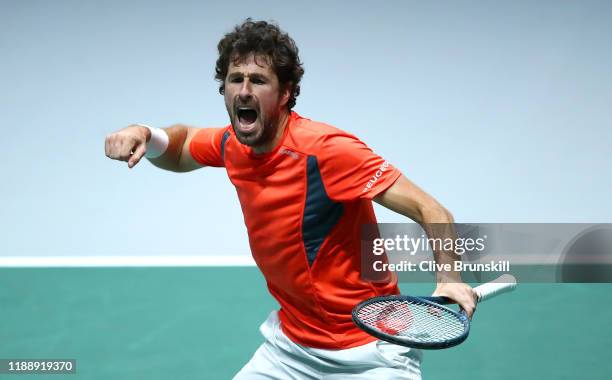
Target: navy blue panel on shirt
[320,213]
[223,140]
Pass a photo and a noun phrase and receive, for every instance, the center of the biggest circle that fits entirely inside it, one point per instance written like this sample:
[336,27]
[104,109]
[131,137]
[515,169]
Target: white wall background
[501,110]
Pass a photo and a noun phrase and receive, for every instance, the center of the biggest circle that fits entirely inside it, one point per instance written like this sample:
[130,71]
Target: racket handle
[503,284]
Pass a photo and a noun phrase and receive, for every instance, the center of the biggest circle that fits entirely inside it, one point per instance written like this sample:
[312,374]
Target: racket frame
[503,284]
[436,302]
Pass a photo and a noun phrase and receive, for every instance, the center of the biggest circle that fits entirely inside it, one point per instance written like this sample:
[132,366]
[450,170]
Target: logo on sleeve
[383,168]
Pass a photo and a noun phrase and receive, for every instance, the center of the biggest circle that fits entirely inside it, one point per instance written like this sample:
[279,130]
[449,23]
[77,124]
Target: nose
[245,90]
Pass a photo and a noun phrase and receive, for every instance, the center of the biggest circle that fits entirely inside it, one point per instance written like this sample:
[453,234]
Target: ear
[285,94]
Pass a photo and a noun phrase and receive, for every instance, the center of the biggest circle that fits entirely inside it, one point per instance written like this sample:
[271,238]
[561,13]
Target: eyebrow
[259,76]
[252,75]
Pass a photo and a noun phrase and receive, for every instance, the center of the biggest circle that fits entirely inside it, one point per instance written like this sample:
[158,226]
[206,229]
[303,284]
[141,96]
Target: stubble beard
[264,135]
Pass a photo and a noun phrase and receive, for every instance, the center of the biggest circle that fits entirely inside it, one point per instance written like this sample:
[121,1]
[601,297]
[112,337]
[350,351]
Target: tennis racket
[422,322]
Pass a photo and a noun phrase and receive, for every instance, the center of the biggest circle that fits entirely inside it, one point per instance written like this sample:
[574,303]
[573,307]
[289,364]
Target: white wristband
[158,143]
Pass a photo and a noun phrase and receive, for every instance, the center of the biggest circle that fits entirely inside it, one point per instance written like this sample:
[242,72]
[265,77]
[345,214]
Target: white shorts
[281,359]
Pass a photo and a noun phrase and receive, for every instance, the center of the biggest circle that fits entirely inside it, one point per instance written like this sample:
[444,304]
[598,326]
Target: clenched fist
[128,144]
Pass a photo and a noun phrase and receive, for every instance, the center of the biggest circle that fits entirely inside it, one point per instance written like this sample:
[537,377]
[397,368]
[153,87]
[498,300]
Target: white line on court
[125,261]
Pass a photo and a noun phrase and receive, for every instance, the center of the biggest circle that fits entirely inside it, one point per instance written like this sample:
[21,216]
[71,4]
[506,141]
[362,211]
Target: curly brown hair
[262,39]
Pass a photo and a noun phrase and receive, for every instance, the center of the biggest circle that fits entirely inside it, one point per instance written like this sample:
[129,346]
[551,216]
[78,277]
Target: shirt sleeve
[350,170]
[206,147]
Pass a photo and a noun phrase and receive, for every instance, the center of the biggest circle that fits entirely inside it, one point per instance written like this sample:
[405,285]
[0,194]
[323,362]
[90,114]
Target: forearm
[176,157]
[438,224]
[406,198]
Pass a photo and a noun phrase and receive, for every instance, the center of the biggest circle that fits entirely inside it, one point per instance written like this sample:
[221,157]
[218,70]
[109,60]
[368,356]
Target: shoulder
[207,145]
[311,136]
[215,133]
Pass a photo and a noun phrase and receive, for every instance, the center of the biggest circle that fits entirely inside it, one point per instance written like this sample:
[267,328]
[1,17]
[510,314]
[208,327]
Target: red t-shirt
[304,204]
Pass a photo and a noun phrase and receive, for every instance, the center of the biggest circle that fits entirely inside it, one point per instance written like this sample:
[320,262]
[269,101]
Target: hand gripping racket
[422,322]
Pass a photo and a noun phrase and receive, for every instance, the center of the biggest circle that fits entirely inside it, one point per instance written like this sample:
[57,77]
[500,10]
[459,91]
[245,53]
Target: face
[255,102]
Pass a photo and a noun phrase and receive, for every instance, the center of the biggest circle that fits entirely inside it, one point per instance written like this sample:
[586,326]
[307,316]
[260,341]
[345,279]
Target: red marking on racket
[434,311]
[394,318]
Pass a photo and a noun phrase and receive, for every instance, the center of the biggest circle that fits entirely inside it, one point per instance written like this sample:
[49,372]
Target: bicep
[186,160]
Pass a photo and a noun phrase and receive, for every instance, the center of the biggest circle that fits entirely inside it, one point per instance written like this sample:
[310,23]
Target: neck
[280,131]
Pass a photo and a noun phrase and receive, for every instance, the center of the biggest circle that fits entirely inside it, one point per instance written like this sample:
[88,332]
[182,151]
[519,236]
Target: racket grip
[503,284]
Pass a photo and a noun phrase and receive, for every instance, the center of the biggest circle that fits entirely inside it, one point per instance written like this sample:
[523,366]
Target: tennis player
[305,189]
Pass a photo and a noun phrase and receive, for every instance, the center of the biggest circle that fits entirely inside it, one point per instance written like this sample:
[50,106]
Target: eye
[258,81]
[235,80]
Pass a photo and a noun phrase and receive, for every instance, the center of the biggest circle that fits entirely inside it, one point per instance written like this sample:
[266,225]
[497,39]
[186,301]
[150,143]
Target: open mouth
[246,115]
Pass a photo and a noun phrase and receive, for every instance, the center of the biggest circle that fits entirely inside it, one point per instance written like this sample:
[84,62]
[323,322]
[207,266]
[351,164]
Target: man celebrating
[305,189]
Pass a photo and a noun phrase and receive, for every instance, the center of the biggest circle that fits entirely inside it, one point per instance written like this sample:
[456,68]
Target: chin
[249,140]
[252,139]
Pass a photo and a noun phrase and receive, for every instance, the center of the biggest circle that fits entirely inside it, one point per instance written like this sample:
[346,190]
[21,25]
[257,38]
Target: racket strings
[415,321]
